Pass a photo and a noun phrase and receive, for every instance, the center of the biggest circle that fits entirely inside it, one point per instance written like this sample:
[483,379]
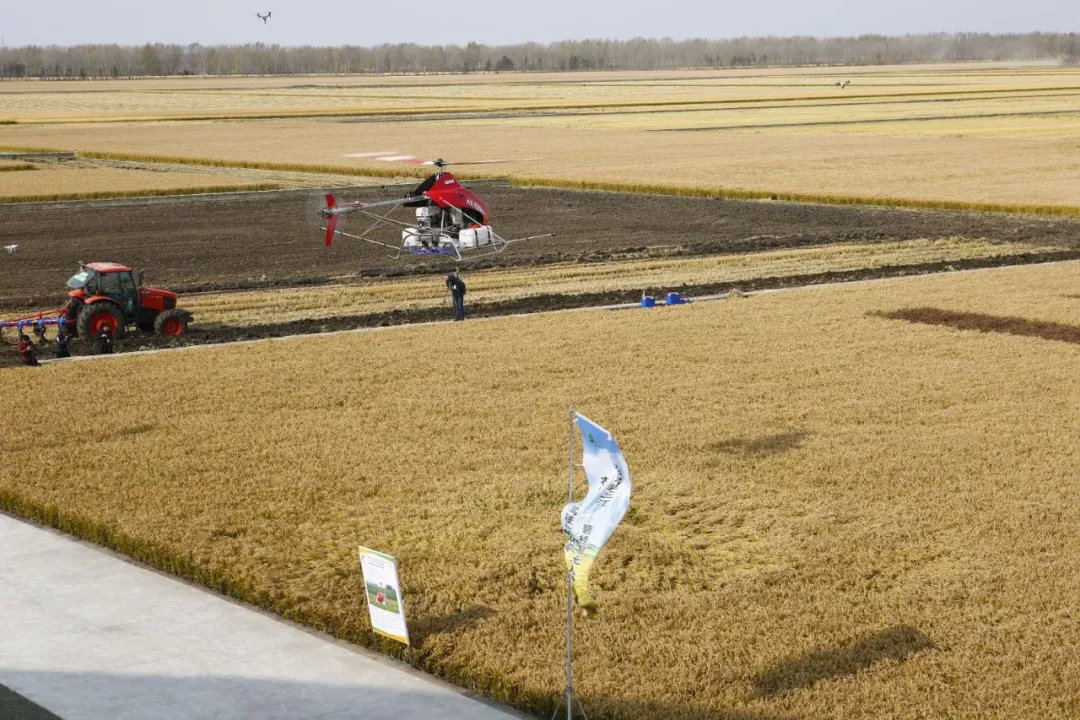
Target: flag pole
[569,582]
[568,694]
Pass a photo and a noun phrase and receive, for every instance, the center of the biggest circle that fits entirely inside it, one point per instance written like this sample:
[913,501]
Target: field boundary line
[315,169]
[869,121]
[447,113]
[208,191]
[232,193]
[586,308]
[804,198]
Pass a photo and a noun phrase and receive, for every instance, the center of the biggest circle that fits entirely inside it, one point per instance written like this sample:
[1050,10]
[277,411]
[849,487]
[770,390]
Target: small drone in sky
[262,17]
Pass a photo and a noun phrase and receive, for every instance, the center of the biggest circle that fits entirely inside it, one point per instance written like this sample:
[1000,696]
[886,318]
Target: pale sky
[495,22]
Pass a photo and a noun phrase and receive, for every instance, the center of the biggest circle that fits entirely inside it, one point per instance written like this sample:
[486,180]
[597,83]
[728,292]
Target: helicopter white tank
[475,237]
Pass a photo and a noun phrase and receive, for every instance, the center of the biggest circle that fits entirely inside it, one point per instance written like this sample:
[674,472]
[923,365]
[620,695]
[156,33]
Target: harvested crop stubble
[248,308]
[981,136]
[799,113]
[207,97]
[1016,169]
[835,515]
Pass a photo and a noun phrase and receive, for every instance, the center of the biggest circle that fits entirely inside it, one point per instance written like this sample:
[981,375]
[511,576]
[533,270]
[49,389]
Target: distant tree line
[118,61]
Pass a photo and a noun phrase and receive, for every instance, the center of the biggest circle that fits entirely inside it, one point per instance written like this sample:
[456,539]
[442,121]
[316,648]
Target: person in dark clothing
[62,344]
[104,342]
[456,286]
[26,351]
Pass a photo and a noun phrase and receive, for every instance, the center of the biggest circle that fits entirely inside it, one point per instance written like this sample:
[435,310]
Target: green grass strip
[110,194]
[16,168]
[823,199]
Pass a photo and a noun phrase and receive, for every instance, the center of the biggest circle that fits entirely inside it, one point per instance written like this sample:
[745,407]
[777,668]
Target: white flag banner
[383,594]
[589,523]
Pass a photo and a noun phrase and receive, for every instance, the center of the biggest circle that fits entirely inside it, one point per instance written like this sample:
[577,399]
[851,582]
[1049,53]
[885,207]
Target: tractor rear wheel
[171,322]
[100,316]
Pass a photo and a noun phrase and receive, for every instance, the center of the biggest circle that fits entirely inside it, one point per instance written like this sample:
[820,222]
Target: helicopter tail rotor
[331,219]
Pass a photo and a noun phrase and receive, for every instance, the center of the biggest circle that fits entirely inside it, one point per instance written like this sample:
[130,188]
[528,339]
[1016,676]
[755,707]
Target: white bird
[265,17]
[10,249]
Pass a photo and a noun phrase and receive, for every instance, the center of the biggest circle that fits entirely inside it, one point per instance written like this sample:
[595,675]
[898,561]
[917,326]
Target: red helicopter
[450,219]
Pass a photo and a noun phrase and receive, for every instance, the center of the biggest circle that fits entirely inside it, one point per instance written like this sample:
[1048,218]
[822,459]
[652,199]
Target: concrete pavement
[87,635]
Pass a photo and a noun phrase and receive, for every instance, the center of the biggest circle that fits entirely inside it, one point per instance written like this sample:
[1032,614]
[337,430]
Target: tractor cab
[110,296]
[107,280]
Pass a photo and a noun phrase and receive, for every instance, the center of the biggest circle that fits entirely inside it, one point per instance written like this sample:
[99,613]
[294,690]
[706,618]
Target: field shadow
[895,643]
[457,620]
[762,446]
[14,706]
[137,429]
[101,436]
[1059,332]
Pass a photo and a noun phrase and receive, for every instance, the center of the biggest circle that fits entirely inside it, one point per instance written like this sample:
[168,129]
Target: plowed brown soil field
[257,240]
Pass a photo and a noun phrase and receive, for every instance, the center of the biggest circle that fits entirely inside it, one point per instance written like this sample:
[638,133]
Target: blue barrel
[648,301]
[674,298]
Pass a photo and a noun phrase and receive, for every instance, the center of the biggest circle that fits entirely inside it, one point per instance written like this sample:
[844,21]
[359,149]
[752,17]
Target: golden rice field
[60,181]
[87,178]
[188,97]
[15,166]
[835,514]
[977,135]
[487,286]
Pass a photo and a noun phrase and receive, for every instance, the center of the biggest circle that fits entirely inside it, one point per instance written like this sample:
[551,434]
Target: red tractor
[109,296]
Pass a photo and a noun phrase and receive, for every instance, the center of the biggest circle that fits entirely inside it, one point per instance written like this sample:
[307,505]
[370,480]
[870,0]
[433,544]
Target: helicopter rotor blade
[413,160]
[386,157]
[406,159]
[377,154]
[481,162]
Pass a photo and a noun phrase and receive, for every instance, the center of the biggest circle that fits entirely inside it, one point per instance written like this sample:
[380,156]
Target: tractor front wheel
[98,317]
[171,322]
